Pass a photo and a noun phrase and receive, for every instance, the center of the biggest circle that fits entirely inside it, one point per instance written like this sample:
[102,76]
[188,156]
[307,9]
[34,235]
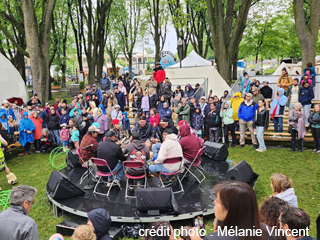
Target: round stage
[195,200]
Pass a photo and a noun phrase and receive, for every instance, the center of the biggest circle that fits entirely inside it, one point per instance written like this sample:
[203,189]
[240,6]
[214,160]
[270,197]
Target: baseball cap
[255,89]
[94,85]
[5,101]
[203,97]
[92,129]
[115,121]
[97,125]
[266,81]
[249,94]
[164,120]
[117,106]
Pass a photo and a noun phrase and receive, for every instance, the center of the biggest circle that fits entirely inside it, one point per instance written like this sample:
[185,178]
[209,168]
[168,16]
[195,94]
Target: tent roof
[279,69]
[192,60]
[12,84]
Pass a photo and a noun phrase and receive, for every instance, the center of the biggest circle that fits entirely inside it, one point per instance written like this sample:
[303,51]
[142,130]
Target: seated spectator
[164,124]
[112,153]
[15,222]
[282,188]
[177,95]
[297,127]
[47,141]
[188,92]
[153,98]
[170,148]
[256,95]
[86,150]
[266,91]
[25,133]
[118,131]
[144,128]
[101,221]
[314,120]
[163,227]
[183,111]
[295,222]
[136,150]
[161,103]
[230,212]
[165,112]
[189,144]
[270,212]
[154,118]
[83,232]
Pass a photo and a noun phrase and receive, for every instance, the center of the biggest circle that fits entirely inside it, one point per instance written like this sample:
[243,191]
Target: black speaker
[59,187]
[242,172]
[72,159]
[159,200]
[216,151]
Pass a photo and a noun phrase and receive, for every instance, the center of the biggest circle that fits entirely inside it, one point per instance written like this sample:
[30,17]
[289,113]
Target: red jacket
[155,120]
[38,127]
[159,75]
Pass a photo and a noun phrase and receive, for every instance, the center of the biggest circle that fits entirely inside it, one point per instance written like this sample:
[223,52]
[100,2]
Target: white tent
[192,60]
[278,72]
[12,84]
[193,75]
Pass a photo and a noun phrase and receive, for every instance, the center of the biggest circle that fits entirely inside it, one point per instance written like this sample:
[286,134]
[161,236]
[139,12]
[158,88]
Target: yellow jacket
[235,103]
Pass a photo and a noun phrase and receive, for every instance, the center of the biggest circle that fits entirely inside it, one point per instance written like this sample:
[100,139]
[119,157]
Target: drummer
[120,133]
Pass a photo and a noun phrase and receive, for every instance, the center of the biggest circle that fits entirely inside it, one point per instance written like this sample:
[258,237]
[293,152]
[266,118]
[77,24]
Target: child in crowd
[64,136]
[75,136]
[282,188]
[64,118]
[245,83]
[145,103]
[17,115]
[314,120]
[148,116]
[126,121]
[47,108]
[135,105]
[154,118]
[197,121]
[4,121]
[117,114]
[11,129]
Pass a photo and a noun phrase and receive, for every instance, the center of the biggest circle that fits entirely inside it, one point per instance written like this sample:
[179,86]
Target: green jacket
[257,98]
[227,116]
[288,94]
[184,112]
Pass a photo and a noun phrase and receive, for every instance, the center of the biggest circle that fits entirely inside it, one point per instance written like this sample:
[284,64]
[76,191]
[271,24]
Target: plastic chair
[134,164]
[174,174]
[86,174]
[197,165]
[103,163]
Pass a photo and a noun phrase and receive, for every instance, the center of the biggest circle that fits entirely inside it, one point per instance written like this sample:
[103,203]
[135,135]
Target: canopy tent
[12,84]
[278,72]
[193,75]
[127,69]
[192,60]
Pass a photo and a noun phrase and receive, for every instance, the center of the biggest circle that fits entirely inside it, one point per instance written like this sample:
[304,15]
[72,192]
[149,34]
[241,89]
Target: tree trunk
[235,68]
[307,33]
[130,65]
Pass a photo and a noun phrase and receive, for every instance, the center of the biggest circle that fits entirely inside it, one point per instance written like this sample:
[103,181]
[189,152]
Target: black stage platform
[195,200]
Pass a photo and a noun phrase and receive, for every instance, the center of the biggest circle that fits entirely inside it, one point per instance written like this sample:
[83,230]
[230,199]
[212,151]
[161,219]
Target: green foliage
[56,83]
[121,62]
[82,85]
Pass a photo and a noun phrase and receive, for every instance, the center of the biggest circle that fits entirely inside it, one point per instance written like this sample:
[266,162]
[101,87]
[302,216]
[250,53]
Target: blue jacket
[26,125]
[103,109]
[4,121]
[165,112]
[248,85]
[44,116]
[64,119]
[189,93]
[281,104]
[121,99]
[98,94]
[71,114]
[245,112]
[8,112]
[306,95]
[126,121]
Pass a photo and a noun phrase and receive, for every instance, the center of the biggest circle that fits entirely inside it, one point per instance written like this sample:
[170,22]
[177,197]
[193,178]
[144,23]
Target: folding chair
[174,174]
[197,165]
[89,171]
[134,164]
[103,163]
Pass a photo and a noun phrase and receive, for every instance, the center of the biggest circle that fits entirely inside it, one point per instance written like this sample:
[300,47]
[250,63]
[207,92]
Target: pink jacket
[155,120]
[309,80]
[64,134]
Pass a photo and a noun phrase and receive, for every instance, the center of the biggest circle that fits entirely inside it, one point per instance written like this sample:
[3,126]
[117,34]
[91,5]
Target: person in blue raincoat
[4,120]
[25,133]
[126,121]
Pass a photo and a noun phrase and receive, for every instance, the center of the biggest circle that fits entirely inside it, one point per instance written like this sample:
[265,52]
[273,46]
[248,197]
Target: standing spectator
[11,129]
[285,80]
[15,222]
[152,98]
[213,122]
[53,125]
[245,83]
[116,113]
[310,69]
[116,83]
[89,140]
[306,78]
[165,112]
[84,121]
[282,188]
[277,111]
[105,99]
[56,104]
[305,99]
[203,104]
[266,91]
[246,113]
[198,92]
[65,106]
[261,123]
[37,121]
[64,117]
[293,93]
[75,136]
[256,96]
[166,90]
[126,84]
[4,121]
[120,97]
[125,121]
[314,120]
[93,108]
[159,75]
[64,136]
[16,115]
[103,122]
[8,111]
[177,95]
[113,99]
[189,92]
[25,133]
[297,126]
[145,103]
[193,105]
[183,111]
[105,83]
[151,84]
[109,111]
[123,89]
[236,101]
[154,118]
[161,102]
[135,105]
[139,94]
[226,114]
[96,92]
[43,114]
[75,112]
[197,121]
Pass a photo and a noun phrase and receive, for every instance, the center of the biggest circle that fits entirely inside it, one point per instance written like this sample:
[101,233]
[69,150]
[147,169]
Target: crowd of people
[96,123]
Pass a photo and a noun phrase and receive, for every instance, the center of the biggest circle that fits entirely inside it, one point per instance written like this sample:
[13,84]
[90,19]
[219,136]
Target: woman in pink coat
[37,121]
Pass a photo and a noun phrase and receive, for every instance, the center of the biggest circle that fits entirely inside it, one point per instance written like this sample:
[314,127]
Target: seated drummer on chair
[169,148]
[189,143]
[112,153]
[119,132]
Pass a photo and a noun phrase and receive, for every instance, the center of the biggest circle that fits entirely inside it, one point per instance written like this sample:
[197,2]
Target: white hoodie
[170,148]
[289,196]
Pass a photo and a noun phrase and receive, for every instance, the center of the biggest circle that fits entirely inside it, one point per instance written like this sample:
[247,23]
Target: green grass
[302,168]
[269,70]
